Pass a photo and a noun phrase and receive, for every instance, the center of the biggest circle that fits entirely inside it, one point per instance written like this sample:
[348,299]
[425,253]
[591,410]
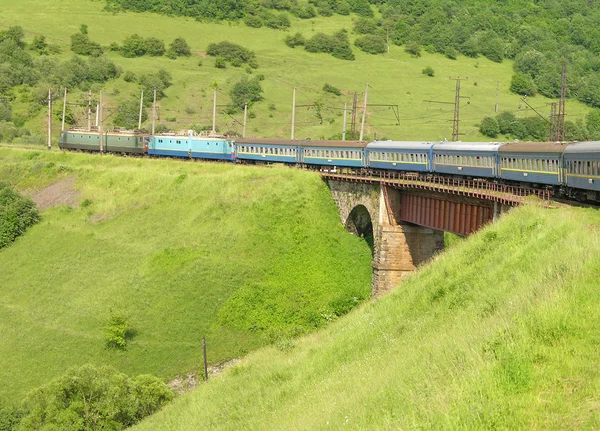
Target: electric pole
[364,114]
[154,112]
[141,110]
[497,92]
[89,111]
[62,126]
[553,123]
[455,122]
[353,118]
[49,119]
[245,120]
[214,124]
[344,126]
[101,119]
[562,103]
[293,112]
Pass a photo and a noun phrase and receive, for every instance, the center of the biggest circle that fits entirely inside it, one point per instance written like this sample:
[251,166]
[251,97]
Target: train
[571,170]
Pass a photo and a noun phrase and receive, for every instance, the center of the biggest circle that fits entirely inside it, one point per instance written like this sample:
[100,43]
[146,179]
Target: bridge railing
[478,188]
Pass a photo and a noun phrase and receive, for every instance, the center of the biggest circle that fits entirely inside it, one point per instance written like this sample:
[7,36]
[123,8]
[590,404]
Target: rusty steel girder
[457,217]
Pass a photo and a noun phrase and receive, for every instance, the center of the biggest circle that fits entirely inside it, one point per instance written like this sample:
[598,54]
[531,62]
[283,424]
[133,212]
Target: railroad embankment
[500,332]
[244,256]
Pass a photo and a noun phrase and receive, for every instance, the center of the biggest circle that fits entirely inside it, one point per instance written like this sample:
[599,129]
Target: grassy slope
[177,247]
[395,78]
[502,332]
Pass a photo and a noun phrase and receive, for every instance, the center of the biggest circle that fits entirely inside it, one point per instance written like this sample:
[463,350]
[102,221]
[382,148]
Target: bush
[179,48]
[489,127]
[451,53]
[129,76]
[133,46]
[155,47]
[413,48]
[230,51]
[128,114]
[331,89]
[17,213]
[295,40]
[365,26]
[253,21]
[428,71]
[372,44]
[39,45]
[220,63]
[160,80]
[5,111]
[522,84]
[117,332]
[82,45]
[245,91]
[94,398]
[277,21]
[507,122]
[337,45]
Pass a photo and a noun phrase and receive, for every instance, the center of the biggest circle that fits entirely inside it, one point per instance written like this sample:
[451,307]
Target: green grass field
[394,78]
[245,256]
[500,332]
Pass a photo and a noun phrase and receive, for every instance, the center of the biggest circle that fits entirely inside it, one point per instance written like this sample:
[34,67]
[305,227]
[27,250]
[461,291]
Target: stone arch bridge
[407,216]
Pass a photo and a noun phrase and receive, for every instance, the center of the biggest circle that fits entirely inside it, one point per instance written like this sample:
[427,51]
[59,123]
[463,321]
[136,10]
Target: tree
[128,114]
[372,44]
[17,213]
[428,71]
[155,47]
[593,124]
[160,80]
[507,122]
[82,45]
[179,48]
[413,49]
[489,127]
[39,45]
[295,40]
[133,46]
[522,84]
[245,91]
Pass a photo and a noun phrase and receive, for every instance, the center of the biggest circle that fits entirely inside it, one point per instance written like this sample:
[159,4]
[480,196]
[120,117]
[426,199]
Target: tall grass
[500,332]
[244,256]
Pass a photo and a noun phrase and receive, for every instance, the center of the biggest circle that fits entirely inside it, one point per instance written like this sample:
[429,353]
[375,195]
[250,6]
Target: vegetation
[237,55]
[337,45]
[90,398]
[17,213]
[331,89]
[497,333]
[372,44]
[245,256]
[428,71]
[246,91]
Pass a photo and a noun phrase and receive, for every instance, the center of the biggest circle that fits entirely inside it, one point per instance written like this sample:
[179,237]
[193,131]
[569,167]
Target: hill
[500,332]
[395,78]
[244,256]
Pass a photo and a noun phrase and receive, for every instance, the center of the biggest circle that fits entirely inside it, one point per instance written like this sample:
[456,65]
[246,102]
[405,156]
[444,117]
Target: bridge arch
[360,223]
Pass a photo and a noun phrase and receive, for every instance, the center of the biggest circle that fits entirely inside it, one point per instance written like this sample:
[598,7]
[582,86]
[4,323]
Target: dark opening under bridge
[408,214]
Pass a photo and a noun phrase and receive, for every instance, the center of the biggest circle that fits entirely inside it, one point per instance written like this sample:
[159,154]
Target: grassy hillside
[501,332]
[242,255]
[395,78]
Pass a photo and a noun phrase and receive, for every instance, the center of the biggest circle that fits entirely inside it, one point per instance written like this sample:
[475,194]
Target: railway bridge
[407,214]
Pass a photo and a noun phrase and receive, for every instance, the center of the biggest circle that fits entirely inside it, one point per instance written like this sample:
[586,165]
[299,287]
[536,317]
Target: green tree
[507,122]
[593,124]
[179,48]
[413,49]
[128,114]
[295,40]
[39,45]
[371,44]
[522,84]
[17,213]
[245,91]
[489,127]
[93,398]
[133,46]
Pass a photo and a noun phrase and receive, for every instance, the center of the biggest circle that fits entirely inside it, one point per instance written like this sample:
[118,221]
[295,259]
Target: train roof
[267,141]
[583,147]
[468,146]
[533,147]
[400,145]
[333,144]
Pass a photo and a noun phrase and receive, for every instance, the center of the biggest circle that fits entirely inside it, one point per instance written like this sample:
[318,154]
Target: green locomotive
[116,141]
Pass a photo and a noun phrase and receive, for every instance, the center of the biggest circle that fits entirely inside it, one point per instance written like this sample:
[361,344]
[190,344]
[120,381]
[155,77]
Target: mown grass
[500,332]
[244,256]
[395,78]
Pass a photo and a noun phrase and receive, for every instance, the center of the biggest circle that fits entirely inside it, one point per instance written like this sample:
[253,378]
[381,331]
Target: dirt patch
[183,384]
[62,192]
[200,53]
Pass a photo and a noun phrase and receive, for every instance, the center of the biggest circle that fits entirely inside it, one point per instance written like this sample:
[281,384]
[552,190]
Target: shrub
[82,45]
[133,46]
[365,26]
[128,114]
[331,89]
[160,80]
[428,71]
[295,40]
[94,398]
[17,213]
[129,76]
[337,45]
[155,47]
[413,48]
[245,91]
[507,122]
[220,63]
[230,51]
[5,111]
[253,21]
[451,53]
[277,21]
[522,84]
[371,44]
[117,332]
[179,48]
[39,45]
[489,127]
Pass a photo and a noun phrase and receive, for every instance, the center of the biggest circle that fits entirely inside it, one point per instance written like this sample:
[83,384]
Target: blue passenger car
[400,156]
[582,165]
[532,162]
[333,153]
[267,150]
[200,147]
[476,159]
